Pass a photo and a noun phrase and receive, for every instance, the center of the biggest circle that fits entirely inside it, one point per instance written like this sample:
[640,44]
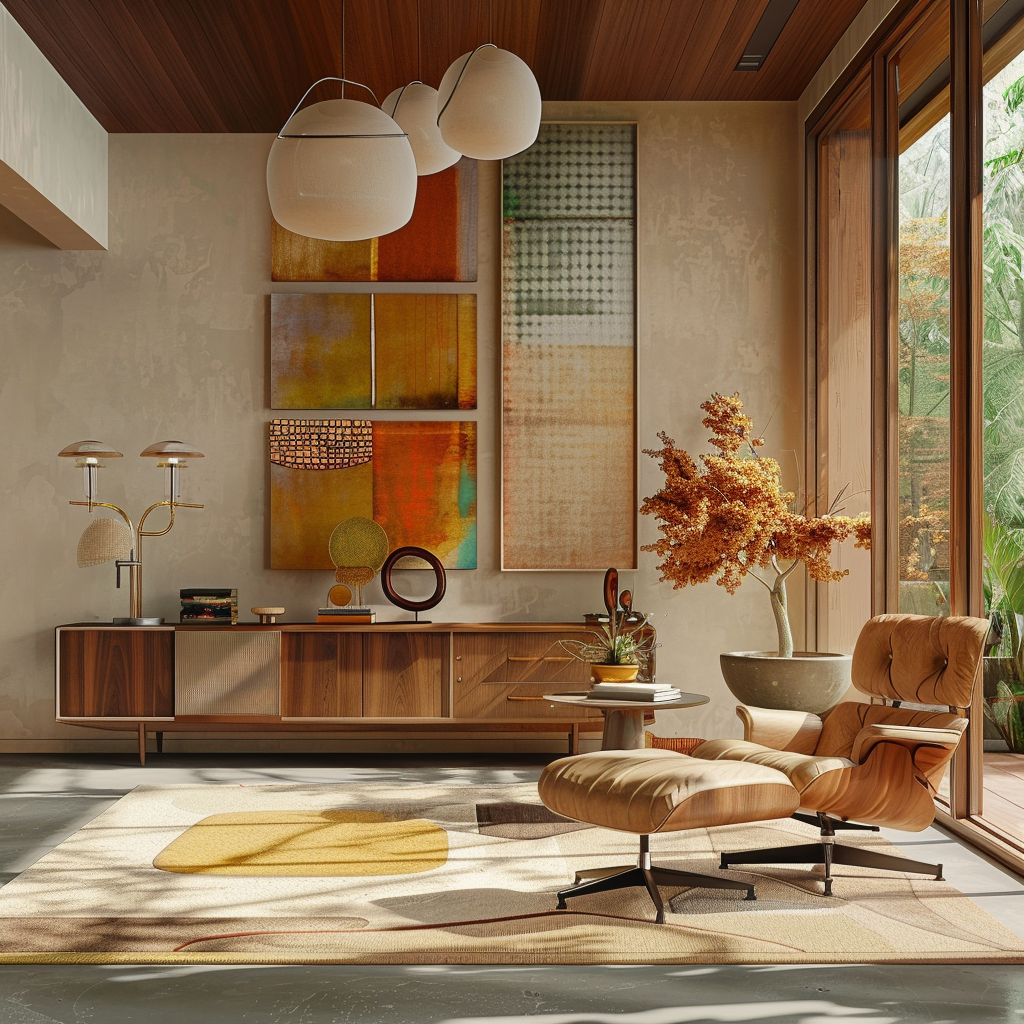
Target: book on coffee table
[650,692]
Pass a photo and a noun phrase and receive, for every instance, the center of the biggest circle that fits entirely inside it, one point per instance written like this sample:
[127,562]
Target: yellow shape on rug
[299,843]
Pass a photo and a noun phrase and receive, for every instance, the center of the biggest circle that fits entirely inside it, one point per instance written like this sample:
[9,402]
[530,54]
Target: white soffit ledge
[53,152]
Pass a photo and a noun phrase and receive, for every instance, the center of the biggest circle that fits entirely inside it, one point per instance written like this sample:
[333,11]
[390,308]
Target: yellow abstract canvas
[392,351]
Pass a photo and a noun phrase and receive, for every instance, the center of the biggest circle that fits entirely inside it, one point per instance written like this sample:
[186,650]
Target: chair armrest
[909,736]
[795,731]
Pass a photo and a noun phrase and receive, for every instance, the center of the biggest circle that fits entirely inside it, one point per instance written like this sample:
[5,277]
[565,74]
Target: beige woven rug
[377,873]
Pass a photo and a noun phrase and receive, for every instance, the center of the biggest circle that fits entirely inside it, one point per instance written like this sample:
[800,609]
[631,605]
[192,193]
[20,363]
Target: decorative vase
[808,681]
[613,673]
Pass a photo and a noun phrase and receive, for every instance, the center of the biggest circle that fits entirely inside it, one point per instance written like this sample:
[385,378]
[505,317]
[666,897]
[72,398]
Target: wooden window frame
[972,60]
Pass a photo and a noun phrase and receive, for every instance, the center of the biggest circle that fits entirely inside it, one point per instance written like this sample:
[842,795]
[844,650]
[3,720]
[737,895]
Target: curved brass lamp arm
[106,504]
[160,504]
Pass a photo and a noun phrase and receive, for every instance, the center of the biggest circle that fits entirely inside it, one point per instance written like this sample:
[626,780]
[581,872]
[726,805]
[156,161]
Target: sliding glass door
[920,70]
[1002,803]
[933,360]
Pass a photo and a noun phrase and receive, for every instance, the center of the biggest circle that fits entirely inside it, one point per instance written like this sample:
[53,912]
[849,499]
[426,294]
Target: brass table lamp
[173,456]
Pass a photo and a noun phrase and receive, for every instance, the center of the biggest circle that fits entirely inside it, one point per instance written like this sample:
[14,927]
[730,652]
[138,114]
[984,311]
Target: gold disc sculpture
[358,547]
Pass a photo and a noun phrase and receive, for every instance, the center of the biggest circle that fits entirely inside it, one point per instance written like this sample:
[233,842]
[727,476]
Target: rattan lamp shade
[489,104]
[341,170]
[414,108]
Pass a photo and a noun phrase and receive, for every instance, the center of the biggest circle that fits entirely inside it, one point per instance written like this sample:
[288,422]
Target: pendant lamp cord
[342,49]
[419,45]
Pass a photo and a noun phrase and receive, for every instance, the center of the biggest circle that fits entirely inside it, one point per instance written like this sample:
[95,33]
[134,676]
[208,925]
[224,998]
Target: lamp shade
[414,108]
[172,450]
[341,170]
[489,104]
[89,450]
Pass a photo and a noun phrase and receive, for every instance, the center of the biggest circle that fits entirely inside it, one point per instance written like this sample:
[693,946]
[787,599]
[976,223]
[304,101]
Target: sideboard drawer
[505,675]
[518,700]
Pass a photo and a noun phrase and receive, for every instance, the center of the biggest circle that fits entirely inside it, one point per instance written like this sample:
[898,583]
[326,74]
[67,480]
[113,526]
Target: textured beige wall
[165,335]
[53,152]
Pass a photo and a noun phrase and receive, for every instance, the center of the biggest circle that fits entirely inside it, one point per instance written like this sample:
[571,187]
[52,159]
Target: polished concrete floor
[45,798]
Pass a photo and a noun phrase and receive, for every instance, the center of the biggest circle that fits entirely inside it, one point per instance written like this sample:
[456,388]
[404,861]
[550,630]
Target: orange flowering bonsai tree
[728,517]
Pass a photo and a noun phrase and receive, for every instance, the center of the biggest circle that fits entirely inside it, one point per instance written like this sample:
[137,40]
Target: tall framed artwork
[568,419]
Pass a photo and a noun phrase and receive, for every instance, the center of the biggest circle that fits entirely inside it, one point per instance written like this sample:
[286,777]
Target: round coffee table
[624,719]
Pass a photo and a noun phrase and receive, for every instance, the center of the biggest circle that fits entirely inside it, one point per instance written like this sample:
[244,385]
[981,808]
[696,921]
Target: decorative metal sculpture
[440,585]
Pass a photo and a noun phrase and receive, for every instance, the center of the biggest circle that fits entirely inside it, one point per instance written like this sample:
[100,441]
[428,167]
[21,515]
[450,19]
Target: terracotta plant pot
[613,673]
[809,681]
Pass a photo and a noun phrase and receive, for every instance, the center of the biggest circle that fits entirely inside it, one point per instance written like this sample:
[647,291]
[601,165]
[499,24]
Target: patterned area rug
[376,873]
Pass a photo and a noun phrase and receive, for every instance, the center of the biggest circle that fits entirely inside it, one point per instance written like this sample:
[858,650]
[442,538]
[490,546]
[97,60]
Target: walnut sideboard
[386,677]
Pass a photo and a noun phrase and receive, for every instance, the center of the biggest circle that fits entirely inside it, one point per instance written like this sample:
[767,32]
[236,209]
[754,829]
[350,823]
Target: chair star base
[650,878]
[837,823]
[828,853]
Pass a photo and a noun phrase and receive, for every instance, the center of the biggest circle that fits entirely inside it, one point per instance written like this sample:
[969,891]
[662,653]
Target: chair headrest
[920,658]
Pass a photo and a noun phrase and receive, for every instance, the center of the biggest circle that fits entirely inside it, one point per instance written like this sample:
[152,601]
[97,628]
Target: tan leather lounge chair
[875,764]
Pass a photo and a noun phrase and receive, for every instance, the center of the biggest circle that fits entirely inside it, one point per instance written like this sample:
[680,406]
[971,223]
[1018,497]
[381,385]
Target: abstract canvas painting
[569,350]
[416,479]
[330,351]
[438,243]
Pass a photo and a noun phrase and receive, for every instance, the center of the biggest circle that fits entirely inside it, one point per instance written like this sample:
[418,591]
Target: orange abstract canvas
[330,351]
[438,243]
[417,480]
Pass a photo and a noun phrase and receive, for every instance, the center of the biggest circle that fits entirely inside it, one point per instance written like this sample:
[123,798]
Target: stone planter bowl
[809,681]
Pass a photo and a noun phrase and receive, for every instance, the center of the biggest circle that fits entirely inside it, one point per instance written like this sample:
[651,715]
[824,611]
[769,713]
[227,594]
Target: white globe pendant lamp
[489,104]
[414,108]
[341,170]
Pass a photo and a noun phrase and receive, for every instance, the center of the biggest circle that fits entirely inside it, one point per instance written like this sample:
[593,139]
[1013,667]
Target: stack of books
[351,614]
[210,604]
[652,692]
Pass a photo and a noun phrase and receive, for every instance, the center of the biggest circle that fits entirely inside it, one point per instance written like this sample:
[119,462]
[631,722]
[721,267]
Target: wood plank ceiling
[241,65]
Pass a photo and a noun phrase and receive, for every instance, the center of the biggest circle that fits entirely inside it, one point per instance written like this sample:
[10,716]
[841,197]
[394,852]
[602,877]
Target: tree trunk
[782,617]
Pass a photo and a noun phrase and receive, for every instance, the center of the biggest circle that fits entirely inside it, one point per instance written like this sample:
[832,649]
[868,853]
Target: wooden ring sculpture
[403,602]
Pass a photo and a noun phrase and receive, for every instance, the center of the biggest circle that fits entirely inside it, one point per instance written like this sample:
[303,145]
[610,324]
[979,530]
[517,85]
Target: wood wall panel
[117,673]
[844,366]
[321,675]
[403,674]
[242,65]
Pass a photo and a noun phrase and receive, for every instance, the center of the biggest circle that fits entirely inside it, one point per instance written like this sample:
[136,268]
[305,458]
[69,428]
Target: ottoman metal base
[650,877]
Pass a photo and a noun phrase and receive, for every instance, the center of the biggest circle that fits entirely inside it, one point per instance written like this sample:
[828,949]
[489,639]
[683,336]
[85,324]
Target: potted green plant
[727,517]
[1004,661]
[621,646]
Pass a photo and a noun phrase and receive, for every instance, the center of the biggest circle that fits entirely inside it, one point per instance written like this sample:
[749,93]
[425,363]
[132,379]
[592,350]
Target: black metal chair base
[852,826]
[648,877]
[828,854]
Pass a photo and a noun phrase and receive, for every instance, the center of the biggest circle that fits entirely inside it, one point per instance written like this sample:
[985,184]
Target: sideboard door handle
[539,657]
